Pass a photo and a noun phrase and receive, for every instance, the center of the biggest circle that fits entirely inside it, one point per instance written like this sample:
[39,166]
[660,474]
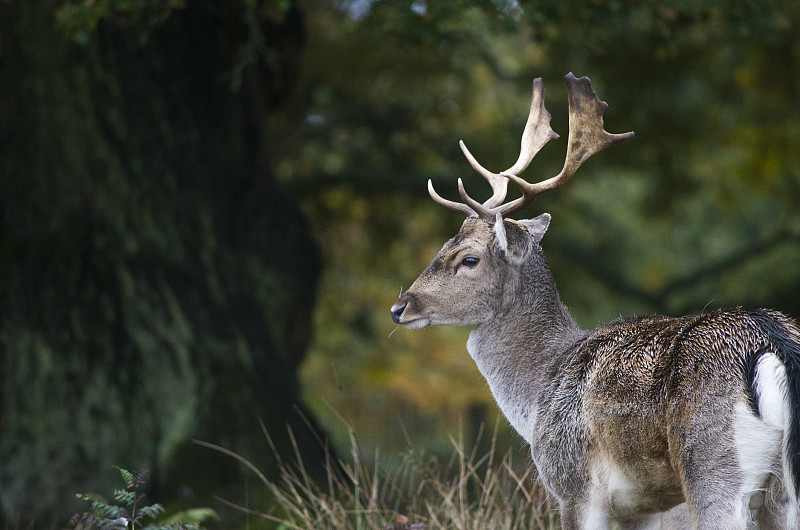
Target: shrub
[131,512]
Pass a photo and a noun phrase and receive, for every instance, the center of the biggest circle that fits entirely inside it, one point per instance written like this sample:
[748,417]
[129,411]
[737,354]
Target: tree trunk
[155,285]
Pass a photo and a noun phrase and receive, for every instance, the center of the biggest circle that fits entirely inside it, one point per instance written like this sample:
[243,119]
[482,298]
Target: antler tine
[586,137]
[536,134]
[457,206]
[498,182]
[470,206]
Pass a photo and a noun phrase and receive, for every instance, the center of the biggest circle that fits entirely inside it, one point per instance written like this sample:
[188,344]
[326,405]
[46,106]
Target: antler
[586,137]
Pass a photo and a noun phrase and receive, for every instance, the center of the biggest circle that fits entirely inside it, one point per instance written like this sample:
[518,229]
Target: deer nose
[397,311]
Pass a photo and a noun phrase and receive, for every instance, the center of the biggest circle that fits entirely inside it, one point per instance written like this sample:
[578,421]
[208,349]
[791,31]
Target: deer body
[636,417]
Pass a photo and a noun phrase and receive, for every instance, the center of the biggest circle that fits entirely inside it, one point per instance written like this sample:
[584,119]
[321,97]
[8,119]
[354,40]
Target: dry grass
[469,491]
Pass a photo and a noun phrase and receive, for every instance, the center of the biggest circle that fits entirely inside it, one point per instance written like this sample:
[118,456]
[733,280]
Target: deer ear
[537,226]
[513,243]
[500,233]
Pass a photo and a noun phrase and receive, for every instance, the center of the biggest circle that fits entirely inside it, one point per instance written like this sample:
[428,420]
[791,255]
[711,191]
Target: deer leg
[775,509]
[711,489]
[719,514]
[781,516]
[647,522]
[676,518]
[584,515]
[570,518]
[703,448]
[711,482]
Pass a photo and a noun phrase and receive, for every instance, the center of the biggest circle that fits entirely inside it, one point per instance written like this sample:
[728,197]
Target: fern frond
[124,496]
[100,507]
[105,516]
[127,477]
[152,511]
[141,477]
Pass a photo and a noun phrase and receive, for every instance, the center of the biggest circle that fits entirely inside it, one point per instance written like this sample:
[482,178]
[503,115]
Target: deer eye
[470,262]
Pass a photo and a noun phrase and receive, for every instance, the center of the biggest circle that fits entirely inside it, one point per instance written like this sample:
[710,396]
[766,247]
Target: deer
[645,422]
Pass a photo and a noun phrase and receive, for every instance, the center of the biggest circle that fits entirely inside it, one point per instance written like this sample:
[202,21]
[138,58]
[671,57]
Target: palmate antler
[586,137]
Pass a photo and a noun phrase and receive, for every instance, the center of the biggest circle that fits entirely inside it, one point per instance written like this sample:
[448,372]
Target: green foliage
[698,211]
[130,512]
[79,18]
[155,284]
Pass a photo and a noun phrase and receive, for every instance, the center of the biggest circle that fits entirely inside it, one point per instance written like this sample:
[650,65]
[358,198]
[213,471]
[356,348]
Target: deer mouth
[401,314]
[416,323]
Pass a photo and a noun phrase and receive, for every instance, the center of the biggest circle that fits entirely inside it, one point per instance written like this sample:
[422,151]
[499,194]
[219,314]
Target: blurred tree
[698,211]
[155,284]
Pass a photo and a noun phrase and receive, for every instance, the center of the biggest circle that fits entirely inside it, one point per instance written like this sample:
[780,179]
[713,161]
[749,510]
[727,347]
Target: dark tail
[791,361]
[786,340]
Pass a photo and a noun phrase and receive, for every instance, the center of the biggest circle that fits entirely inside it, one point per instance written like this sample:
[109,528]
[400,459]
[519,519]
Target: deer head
[493,261]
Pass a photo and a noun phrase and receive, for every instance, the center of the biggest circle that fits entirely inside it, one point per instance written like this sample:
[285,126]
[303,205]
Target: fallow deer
[697,415]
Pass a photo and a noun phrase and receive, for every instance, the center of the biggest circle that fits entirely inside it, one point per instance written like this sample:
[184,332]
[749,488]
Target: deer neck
[526,342]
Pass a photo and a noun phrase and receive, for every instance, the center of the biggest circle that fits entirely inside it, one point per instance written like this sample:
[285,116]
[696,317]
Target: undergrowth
[467,491]
[129,510]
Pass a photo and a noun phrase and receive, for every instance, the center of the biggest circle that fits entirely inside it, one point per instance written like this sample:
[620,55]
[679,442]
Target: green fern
[125,497]
[127,477]
[129,510]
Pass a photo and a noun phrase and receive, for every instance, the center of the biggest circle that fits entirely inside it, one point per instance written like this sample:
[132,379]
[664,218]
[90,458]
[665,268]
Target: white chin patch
[417,324]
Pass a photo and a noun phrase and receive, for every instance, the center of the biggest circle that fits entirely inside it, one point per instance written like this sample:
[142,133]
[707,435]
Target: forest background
[208,207]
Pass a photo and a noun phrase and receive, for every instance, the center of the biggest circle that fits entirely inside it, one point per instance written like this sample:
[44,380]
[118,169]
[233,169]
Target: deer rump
[665,402]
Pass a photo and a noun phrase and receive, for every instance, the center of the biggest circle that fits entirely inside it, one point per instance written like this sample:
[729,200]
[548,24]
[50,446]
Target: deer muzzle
[397,310]
[406,311]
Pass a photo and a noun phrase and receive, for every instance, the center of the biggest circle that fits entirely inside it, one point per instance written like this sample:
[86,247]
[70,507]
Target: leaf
[141,477]
[152,511]
[124,496]
[127,477]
